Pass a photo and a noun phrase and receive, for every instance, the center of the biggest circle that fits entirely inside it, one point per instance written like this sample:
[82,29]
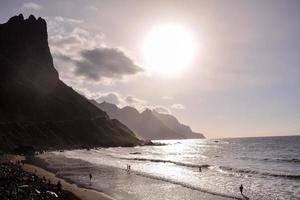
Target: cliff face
[36,108]
[25,55]
[173,123]
[145,124]
[149,124]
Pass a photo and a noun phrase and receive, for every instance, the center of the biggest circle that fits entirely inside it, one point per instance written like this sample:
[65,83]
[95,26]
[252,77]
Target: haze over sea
[269,169]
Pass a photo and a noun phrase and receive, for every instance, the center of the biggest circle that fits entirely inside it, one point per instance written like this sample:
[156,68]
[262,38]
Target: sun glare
[168,49]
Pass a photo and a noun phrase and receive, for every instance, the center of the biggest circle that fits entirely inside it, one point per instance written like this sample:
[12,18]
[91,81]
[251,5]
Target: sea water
[268,168]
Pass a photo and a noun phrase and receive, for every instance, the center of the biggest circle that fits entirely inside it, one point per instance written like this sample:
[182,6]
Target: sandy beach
[82,193]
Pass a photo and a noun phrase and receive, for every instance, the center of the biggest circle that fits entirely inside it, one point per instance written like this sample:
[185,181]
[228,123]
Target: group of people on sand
[128,168]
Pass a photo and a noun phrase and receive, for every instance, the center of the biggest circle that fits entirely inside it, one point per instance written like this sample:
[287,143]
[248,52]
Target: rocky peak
[130,110]
[24,53]
[107,104]
[147,111]
[31,25]
[16,19]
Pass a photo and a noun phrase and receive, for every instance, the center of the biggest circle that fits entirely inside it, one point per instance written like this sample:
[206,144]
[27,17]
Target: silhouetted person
[200,169]
[59,186]
[128,168]
[241,189]
[90,178]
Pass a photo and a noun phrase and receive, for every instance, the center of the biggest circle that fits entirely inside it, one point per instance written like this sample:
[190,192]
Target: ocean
[268,168]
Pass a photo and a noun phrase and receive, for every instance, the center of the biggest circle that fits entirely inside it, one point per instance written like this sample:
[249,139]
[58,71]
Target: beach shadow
[245,197]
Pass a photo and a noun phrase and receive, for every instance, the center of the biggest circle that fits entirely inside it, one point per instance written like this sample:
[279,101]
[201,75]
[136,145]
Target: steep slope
[172,122]
[156,127]
[149,124]
[36,108]
[144,124]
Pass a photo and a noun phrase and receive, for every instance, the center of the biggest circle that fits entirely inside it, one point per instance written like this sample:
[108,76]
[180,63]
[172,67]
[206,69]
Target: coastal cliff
[149,124]
[37,109]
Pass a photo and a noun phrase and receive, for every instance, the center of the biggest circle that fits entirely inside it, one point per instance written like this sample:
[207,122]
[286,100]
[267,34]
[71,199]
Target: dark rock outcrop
[149,125]
[15,183]
[36,108]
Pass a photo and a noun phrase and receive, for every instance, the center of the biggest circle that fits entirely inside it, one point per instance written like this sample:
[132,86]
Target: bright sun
[168,49]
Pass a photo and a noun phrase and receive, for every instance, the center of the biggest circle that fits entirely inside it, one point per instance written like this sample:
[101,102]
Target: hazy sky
[244,79]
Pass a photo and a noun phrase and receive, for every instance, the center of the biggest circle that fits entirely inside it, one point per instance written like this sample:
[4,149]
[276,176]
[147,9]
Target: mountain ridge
[149,124]
[173,123]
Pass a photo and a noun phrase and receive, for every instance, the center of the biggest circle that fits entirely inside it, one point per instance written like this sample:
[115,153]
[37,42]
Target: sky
[242,81]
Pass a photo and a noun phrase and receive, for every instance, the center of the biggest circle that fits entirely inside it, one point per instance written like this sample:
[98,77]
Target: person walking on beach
[241,189]
[59,186]
[200,169]
[90,175]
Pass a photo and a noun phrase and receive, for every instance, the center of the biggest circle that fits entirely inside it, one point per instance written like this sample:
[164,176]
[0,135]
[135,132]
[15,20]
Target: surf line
[186,185]
[166,161]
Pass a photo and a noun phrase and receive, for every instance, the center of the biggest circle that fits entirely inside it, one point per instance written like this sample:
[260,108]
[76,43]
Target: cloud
[167,98]
[110,97]
[87,93]
[62,57]
[133,100]
[105,62]
[82,55]
[178,106]
[122,100]
[67,37]
[32,6]
[68,20]
[115,98]
[92,8]
[161,109]
[71,43]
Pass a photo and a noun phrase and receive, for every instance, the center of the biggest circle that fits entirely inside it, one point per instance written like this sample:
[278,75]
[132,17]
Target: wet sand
[82,193]
[116,181]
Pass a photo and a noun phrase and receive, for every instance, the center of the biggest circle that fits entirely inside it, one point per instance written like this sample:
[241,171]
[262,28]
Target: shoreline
[59,160]
[80,192]
[40,170]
